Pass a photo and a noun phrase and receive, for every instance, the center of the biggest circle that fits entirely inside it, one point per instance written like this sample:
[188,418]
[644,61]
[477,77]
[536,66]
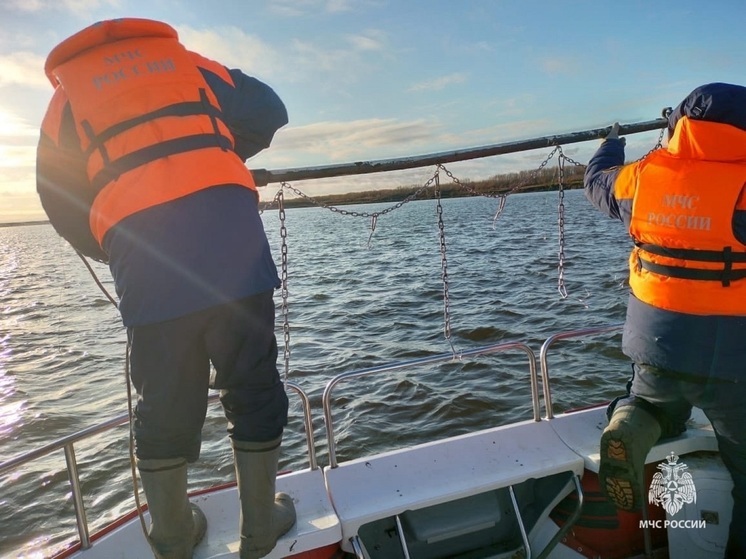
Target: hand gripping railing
[440,358]
[67,444]
[550,341]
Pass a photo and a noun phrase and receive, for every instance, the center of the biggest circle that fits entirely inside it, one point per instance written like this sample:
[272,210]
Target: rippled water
[353,304]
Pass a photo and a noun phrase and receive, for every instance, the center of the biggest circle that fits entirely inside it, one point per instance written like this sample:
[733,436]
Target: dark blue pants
[672,396]
[170,370]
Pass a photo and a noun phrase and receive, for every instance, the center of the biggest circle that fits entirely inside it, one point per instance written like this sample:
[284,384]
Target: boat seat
[317,525]
[388,485]
[582,430]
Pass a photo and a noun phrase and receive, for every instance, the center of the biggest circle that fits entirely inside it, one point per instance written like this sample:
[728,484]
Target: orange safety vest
[151,129]
[686,257]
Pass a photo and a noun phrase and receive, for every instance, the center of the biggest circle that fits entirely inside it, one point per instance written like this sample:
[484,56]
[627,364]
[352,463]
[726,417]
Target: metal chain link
[562,158]
[561,223]
[658,145]
[280,198]
[443,263]
[468,188]
[271,204]
[502,196]
[342,211]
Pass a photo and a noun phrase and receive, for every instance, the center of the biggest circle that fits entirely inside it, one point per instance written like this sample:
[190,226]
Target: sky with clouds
[377,79]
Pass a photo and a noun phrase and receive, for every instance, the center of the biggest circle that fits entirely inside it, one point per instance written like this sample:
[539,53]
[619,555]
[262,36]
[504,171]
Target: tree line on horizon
[505,183]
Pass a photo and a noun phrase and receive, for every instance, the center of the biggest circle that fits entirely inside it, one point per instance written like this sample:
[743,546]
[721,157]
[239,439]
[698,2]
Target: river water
[355,301]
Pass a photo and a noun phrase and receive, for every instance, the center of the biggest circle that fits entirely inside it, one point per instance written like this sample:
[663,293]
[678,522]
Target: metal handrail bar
[67,445]
[263,177]
[81,521]
[308,423]
[442,357]
[59,444]
[545,364]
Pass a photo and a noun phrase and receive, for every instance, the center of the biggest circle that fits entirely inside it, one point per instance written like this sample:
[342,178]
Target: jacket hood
[713,141]
[714,102]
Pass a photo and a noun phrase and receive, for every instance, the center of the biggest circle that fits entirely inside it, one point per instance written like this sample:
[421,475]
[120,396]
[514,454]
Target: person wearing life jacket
[684,206]
[141,165]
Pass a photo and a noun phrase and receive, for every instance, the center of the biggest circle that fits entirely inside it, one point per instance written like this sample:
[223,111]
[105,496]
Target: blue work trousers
[170,370]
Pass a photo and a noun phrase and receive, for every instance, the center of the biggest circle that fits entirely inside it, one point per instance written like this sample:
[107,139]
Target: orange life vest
[686,257]
[151,129]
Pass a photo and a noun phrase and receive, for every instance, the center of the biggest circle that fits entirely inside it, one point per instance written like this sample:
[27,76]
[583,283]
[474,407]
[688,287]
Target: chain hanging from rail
[434,182]
[443,263]
[561,158]
[373,216]
[284,280]
[561,223]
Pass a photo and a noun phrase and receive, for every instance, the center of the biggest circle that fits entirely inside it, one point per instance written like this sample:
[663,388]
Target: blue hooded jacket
[195,252]
[695,346]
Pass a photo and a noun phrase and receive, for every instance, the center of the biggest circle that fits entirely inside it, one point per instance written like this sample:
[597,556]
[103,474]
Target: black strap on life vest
[113,169]
[163,149]
[726,256]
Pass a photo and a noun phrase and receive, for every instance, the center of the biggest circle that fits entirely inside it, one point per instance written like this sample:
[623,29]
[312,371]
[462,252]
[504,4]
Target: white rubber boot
[176,525]
[265,516]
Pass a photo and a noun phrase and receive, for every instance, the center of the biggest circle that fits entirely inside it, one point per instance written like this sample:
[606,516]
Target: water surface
[354,302]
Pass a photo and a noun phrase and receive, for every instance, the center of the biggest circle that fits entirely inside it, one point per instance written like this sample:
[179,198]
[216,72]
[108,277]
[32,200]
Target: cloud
[558,65]
[333,142]
[370,40]
[20,206]
[23,68]
[18,198]
[25,5]
[336,6]
[234,48]
[329,143]
[439,83]
[298,8]
[508,108]
[301,59]
[77,7]
[292,8]
[340,141]
[17,157]
[13,126]
[331,67]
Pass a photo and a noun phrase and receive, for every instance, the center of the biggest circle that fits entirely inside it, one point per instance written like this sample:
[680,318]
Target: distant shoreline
[19,223]
[379,196]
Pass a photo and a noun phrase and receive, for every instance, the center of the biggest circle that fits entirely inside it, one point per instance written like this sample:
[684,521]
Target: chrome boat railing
[67,444]
[549,342]
[440,358]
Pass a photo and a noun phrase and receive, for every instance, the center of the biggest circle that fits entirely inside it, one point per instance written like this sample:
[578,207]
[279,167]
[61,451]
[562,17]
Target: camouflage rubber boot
[176,526]
[625,444]
[265,515]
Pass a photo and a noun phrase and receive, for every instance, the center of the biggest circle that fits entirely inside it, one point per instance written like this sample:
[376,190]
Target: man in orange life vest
[685,207]
[141,165]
